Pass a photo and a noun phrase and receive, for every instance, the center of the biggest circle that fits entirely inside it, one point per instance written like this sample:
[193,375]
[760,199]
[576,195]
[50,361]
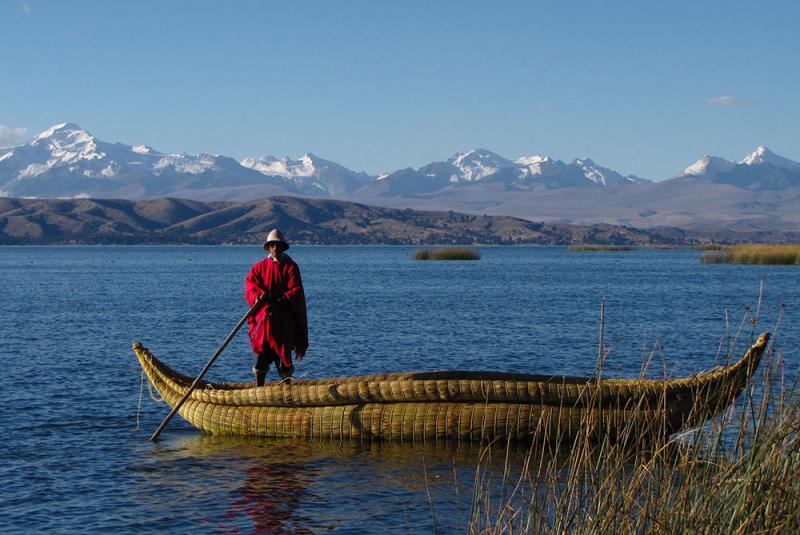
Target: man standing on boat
[280,326]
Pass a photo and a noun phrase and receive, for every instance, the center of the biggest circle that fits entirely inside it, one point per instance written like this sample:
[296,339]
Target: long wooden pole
[180,403]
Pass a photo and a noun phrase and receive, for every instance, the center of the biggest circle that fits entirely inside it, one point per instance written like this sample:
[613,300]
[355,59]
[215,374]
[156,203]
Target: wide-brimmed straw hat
[275,235]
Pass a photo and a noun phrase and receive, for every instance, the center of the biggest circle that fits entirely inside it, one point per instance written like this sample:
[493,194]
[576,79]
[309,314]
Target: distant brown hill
[167,220]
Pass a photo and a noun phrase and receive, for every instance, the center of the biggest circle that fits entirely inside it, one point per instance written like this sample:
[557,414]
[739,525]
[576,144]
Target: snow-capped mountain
[604,176]
[461,168]
[67,161]
[476,165]
[67,151]
[311,174]
[762,156]
[761,169]
[68,148]
[707,166]
[482,166]
[710,166]
[542,166]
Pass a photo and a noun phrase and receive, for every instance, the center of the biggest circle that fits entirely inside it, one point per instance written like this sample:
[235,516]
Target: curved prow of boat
[445,405]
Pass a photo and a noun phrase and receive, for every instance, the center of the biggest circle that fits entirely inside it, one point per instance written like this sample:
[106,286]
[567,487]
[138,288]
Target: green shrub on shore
[736,473]
[447,253]
[601,248]
[787,254]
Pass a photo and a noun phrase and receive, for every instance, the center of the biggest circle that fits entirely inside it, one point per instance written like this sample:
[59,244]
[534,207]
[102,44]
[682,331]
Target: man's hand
[298,357]
[276,305]
[279,303]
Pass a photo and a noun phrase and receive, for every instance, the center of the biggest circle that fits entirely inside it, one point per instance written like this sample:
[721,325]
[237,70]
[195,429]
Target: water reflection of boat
[269,496]
[296,485]
[436,406]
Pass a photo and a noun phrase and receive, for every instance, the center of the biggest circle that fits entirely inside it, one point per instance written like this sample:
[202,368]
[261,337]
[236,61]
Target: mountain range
[762,191]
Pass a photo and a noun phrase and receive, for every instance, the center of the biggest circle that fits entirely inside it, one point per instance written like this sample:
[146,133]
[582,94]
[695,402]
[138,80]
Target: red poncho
[286,329]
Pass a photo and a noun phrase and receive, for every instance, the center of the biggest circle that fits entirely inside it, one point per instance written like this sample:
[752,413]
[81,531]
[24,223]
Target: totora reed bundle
[443,406]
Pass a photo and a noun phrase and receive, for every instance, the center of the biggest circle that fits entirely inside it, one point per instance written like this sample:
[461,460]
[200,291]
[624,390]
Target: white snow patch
[529,160]
[141,149]
[762,155]
[110,170]
[34,169]
[477,164]
[538,165]
[598,175]
[61,131]
[185,163]
[285,167]
[708,165]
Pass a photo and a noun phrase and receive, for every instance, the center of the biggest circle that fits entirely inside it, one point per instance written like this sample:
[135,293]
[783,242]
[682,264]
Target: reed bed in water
[708,247]
[788,254]
[447,253]
[737,473]
[600,248]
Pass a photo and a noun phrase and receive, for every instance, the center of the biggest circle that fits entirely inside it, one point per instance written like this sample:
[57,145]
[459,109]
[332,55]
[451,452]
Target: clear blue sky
[642,87]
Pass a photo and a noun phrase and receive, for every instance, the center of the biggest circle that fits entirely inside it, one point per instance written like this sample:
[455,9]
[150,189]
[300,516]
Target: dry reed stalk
[729,475]
[787,254]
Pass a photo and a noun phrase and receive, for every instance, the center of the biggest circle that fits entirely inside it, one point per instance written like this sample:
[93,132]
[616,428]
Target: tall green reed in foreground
[738,472]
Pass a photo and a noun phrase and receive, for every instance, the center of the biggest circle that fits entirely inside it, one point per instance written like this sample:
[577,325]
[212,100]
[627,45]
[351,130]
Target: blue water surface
[73,460]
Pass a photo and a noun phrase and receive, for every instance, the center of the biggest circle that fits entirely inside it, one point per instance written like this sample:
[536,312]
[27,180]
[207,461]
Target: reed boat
[453,405]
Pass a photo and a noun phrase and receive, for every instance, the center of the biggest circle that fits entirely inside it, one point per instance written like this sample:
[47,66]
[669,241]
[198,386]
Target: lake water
[73,460]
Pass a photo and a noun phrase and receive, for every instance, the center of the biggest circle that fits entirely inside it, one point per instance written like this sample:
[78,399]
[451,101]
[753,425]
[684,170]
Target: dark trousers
[262,362]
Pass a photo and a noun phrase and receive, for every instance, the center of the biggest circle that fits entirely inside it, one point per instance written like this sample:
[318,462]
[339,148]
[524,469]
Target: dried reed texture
[734,473]
[433,406]
[786,254]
